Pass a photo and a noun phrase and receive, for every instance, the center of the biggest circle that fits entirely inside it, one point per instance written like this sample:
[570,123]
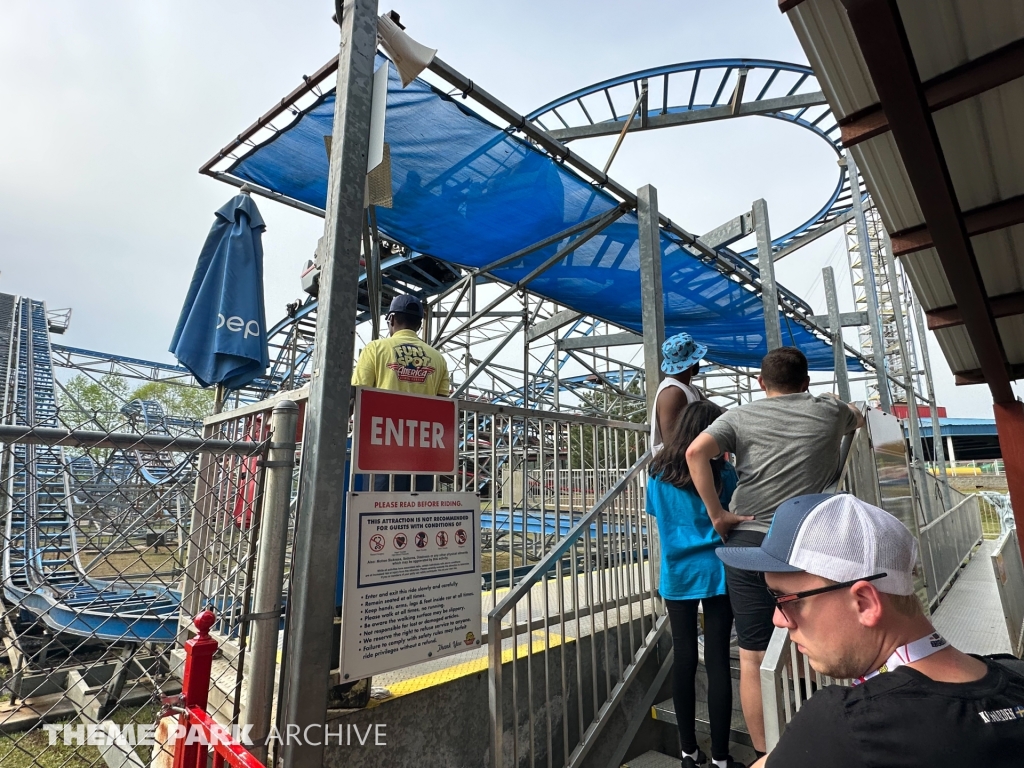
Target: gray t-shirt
[785,446]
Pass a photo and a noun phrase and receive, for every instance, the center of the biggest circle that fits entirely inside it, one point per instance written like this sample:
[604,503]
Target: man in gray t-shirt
[786,445]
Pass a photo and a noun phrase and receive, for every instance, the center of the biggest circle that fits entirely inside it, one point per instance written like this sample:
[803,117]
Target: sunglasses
[782,599]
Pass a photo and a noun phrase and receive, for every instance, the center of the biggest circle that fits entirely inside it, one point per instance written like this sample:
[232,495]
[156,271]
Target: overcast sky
[112,106]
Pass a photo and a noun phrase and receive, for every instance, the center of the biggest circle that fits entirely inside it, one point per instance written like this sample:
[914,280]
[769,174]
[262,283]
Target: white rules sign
[412,580]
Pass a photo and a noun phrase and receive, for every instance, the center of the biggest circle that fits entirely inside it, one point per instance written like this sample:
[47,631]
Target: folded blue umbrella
[222,332]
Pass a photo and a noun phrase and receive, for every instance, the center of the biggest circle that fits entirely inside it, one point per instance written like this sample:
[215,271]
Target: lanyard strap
[905,654]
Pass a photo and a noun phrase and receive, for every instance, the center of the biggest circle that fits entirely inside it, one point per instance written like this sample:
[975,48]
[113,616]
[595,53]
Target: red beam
[975,376]
[1006,305]
[1010,427]
[886,50]
[977,76]
[987,218]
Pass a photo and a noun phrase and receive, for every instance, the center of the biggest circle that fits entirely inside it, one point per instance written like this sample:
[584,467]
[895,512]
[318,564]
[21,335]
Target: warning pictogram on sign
[460,536]
[442,538]
[401,540]
[376,542]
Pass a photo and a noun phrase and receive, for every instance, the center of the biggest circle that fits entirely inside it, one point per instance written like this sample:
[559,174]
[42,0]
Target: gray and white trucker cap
[837,537]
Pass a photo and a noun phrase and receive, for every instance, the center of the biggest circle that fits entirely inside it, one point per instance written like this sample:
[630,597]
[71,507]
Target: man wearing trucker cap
[841,575]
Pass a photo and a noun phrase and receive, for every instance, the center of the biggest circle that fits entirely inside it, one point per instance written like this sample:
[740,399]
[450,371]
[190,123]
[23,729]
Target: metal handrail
[548,561]
[522,590]
[565,418]
[83,438]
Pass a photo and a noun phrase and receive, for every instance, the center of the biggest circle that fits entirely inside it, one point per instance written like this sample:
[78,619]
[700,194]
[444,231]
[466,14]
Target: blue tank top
[690,569]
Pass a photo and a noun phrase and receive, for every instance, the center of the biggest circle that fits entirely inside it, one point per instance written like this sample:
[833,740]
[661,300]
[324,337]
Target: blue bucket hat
[680,352]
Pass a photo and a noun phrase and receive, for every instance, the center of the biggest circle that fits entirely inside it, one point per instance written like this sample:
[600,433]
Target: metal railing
[787,681]
[238,557]
[567,640]
[510,457]
[1009,571]
[947,543]
[994,467]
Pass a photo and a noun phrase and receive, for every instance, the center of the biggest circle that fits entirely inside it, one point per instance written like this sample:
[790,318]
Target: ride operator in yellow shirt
[403,362]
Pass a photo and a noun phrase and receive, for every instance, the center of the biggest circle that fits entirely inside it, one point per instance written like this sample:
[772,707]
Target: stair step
[665,712]
[652,759]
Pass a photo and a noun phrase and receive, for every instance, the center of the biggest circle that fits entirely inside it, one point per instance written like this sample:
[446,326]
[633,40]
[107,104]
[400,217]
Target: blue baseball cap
[680,353]
[408,305]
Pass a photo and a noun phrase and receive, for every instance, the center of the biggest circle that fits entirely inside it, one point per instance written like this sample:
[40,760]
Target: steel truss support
[835,326]
[604,221]
[871,287]
[651,293]
[938,449]
[908,369]
[766,265]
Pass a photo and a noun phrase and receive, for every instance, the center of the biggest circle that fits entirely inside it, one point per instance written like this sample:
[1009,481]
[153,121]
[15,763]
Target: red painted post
[195,688]
[1010,426]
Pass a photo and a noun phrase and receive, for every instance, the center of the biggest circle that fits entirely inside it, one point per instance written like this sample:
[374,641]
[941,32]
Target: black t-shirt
[902,719]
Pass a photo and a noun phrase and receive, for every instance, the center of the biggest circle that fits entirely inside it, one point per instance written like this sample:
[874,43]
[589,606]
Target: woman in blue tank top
[691,575]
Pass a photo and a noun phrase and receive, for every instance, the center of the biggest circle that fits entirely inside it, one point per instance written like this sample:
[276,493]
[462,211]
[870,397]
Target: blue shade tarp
[469,193]
[222,332]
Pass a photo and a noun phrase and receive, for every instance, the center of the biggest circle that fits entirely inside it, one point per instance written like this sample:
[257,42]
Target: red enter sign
[396,432]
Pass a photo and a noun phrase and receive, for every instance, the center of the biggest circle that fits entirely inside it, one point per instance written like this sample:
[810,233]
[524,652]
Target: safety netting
[469,193]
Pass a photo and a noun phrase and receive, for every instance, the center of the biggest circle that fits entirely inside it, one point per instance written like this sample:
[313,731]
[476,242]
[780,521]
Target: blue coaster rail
[42,569]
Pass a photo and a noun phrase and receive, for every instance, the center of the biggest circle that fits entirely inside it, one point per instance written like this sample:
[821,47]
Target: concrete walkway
[971,616]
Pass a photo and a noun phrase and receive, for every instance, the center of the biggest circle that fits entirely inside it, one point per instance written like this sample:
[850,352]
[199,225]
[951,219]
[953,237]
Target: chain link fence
[112,540]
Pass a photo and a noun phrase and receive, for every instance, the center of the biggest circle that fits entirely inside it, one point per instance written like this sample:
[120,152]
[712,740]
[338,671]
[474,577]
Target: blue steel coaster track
[681,94]
[42,569]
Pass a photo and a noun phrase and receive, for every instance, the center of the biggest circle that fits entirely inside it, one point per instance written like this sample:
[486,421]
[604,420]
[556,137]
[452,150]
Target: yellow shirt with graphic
[402,362]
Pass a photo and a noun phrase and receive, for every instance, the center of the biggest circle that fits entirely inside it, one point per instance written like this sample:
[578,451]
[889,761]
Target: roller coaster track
[702,91]
[42,569]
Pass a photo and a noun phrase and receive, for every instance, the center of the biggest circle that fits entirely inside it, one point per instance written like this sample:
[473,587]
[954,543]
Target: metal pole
[318,527]
[266,609]
[766,265]
[651,295]
[938,450]
[901,335]
[870,287]
[625,126]
[835,327]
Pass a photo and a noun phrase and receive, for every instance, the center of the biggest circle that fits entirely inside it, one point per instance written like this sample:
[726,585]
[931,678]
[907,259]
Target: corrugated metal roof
[964,427]
[980,137]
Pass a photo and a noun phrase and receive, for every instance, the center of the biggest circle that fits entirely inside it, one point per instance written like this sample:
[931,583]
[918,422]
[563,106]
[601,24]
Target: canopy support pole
[938,449]
[911,399]
[835,327]
[766,266]
[870,286]
[311,643]
[652,296]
